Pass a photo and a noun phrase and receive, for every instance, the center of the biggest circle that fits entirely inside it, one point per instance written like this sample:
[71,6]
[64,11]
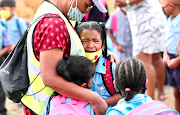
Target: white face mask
[74,13]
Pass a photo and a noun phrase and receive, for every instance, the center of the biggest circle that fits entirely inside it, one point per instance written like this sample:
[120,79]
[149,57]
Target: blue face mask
[165,12]
[74,13]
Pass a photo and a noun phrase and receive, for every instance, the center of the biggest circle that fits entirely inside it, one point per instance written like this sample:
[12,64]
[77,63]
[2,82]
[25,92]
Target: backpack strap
[56,100]
[108,78]
[114,21]
[104,4]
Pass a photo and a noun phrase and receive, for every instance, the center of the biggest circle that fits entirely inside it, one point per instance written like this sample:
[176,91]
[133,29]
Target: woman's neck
[61,5]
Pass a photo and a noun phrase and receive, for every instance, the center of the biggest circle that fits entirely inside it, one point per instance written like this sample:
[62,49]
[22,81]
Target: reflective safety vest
[38,93]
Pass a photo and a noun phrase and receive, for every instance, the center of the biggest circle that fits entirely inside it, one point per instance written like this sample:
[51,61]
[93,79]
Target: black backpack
[14,71]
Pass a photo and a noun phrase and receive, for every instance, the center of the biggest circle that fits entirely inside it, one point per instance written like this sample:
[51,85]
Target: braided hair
[130,74]
[93,25]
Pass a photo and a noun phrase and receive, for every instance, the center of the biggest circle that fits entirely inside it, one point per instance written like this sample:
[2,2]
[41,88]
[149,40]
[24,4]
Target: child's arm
[4,50]
[120,47]
[113,99]
[166,57]
[174,63]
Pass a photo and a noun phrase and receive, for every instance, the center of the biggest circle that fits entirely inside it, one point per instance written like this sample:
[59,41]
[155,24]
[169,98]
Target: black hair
[77,69]
[130,73]
[9,3]
[98,26]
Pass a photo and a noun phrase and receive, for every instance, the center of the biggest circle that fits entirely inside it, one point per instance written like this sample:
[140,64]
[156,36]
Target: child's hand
[166,59]
[173,63]
[112,57]
[120,48]
[120,3]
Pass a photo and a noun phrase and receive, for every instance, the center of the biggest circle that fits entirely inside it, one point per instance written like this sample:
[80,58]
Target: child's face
[10,9]
[166,6]
[169,6]
[91,40]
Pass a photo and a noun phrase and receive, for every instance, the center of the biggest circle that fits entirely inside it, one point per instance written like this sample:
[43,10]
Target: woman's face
[91,40]
[83,5]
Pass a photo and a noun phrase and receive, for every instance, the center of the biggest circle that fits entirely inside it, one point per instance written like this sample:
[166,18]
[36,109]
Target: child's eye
[84,41]
[96,41]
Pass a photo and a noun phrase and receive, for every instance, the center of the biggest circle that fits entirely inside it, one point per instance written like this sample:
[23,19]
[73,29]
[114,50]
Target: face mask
[93,56]
[74,13]
[165,12]
[5,14]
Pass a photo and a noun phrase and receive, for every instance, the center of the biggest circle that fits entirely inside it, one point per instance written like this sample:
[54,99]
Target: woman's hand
[99,105]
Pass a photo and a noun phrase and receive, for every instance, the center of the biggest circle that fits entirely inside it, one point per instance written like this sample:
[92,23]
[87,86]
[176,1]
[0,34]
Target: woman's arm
[48,61]
[122,3]
[113,99]
[119,46]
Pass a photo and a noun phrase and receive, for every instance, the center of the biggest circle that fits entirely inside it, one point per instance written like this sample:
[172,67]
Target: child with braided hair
[130,79]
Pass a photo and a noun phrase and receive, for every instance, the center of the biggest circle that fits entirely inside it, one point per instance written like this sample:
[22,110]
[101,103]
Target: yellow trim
[33,59]
[34,105]
[39,85]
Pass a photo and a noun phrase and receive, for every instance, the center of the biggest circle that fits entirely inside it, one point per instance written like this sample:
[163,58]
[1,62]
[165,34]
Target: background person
[171,60]
[5,45]
[15,25]
[120,33]
[147,29]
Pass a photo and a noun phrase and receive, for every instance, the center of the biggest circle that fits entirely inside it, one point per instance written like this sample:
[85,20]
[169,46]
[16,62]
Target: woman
[147,28]
[54,39]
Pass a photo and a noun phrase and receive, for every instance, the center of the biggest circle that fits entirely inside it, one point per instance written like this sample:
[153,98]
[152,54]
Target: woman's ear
[84,85]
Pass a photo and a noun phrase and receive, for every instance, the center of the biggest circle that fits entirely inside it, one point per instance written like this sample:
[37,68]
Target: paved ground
[13,109]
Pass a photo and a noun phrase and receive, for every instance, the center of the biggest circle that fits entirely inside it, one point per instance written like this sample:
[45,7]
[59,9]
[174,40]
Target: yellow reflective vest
[38,93]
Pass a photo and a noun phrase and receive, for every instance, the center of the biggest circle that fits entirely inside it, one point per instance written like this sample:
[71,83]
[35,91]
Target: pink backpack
[153,108]
[62,108]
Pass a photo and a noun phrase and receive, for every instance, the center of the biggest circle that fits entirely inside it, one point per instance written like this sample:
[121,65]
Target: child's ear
[146,83]
[115,84]
[13,9]
[171,5]
[84,85]
[103,45]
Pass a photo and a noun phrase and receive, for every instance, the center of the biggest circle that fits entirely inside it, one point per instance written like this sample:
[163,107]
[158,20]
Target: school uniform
[97,84]
[123,34]
[15,28]
[172,37]
[123,107]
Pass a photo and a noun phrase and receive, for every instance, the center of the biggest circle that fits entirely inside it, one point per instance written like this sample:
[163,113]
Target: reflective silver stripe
[34,69]
[40,97]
